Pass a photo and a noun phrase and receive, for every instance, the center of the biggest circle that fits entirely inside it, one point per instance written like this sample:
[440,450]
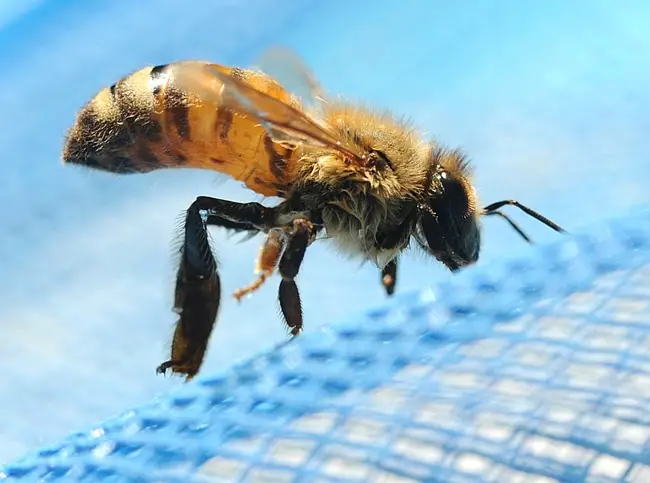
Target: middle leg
[267,261]
[299,236]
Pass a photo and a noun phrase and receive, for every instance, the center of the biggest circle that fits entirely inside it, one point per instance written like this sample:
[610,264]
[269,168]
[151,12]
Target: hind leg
[198,286]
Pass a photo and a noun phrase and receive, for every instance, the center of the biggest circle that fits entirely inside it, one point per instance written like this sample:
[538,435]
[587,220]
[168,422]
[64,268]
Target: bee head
[448,226]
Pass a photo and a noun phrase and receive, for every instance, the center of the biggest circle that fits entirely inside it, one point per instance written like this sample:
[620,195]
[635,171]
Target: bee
[361,177]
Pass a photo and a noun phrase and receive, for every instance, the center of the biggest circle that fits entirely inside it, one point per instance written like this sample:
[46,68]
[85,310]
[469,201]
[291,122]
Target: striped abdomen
[146,121]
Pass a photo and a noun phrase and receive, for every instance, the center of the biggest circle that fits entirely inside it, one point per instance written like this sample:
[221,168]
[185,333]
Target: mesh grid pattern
[536,370]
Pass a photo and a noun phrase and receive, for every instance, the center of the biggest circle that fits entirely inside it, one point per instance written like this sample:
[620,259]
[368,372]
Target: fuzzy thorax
[363,204]
[360,204]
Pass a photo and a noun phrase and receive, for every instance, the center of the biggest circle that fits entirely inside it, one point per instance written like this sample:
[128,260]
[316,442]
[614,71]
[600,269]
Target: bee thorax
[354,231]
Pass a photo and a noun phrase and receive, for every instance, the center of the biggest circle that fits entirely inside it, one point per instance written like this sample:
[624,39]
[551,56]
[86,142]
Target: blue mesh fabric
[535,370]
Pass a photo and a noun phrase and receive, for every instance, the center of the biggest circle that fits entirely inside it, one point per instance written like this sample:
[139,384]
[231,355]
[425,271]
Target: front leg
[198,286]
[389,276]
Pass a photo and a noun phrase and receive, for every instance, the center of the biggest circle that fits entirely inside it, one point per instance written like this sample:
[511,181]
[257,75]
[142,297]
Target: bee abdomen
[118,129]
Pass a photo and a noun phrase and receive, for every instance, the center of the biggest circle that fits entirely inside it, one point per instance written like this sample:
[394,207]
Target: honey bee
[363,178]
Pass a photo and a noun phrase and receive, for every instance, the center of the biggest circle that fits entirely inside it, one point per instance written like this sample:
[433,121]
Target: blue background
[549,99]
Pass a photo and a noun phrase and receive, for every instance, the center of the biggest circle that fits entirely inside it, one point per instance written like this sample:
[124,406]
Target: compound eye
[444,177]
[455,193]
[447,181]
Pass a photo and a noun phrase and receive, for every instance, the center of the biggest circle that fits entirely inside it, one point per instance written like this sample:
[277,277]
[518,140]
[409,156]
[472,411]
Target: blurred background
[550,99]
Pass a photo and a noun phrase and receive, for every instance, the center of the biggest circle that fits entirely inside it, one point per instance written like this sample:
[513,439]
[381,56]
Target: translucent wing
[286,67]
[273,110]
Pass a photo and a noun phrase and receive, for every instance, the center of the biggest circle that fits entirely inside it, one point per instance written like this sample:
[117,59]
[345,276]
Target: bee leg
[298,237]
[267,261]
[198,286]
[238,216]
[389,276]
[197,296]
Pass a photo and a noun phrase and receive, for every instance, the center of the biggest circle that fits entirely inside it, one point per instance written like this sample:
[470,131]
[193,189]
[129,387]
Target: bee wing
[286,67]
[284,122]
